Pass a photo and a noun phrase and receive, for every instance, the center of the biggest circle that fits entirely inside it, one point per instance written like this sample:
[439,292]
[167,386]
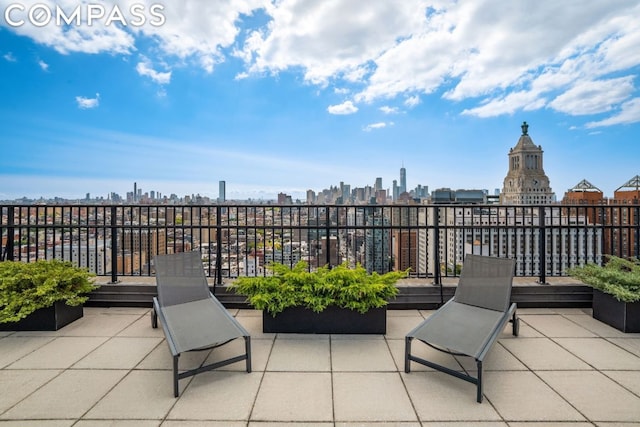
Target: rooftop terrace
[111,368]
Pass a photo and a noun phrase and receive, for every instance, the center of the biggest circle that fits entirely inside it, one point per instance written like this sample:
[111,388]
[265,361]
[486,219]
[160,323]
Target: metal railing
[238,239]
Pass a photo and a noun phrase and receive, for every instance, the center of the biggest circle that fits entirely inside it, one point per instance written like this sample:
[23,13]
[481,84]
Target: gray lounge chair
[192,318]
[471,322]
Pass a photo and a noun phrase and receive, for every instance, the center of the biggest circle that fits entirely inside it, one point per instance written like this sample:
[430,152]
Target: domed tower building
[526,183]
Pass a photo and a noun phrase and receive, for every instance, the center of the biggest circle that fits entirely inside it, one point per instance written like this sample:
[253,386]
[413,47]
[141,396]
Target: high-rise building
[395,190]
[526,183]
[403,180]
[222,191]
[378,185]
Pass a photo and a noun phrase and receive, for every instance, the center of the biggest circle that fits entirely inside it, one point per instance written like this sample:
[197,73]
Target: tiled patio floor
[110,368]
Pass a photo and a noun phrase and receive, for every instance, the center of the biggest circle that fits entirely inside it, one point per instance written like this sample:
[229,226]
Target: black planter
[623,316]
[333,320]
[46,319]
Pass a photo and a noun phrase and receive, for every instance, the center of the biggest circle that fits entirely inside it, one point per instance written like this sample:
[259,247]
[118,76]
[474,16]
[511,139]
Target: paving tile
[371,396]
[160,359]
[403,313]
[99,325]
[548,424]
[466,424]
[14,348]
[597,327]
[419,349]
[146,395]
[22,383]
[556,326]
[142,328]
[38,423]
[140,311]
[630,344]
[297,424]
[543,354]
[119,353]
[399,326]
[628,379]
[183,423]
[599,398]
[361,355]
[300,355]
[67,396]
[380,424]
[260,353]
[600,353]
[510,392]
[441,397]
[117,423]
[294,397]
[217,395]
[498,359]
[253,325]
[59,353]
[248,313]
[526,331]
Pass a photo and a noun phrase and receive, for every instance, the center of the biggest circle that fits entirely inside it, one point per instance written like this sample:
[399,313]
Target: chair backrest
[180,278]
[486,282]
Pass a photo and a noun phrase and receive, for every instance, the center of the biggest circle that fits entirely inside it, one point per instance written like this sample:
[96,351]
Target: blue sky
[290,95]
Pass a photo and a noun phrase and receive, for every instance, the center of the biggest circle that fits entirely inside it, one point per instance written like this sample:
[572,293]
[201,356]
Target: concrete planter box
[333,320]
[621,315]
[46,319]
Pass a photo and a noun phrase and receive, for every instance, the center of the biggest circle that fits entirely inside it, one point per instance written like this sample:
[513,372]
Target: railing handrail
[544,239]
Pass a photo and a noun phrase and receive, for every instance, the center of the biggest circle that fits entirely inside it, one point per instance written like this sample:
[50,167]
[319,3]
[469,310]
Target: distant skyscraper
[403,180]
[135,191]
[378,185]
[222,192]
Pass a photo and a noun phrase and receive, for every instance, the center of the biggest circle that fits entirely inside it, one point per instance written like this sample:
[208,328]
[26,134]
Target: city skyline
[298,96]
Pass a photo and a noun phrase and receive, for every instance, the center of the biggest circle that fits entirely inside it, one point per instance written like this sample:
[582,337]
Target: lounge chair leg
[407,352]
[154,318]
[516,325]
[247,348]
[175,376]
[479,397]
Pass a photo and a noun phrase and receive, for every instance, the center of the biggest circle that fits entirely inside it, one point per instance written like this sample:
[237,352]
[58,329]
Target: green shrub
[340,286]
[27,287]
[619,277]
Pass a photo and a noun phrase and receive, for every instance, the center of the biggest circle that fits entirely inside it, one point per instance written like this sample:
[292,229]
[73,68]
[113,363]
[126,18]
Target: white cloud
[332,39]
[629,113]
[145,68]
[9,57]
[88,103]
[593,97]
[389,110]
[43,65]
[412,101]
[379,125]
[346,107]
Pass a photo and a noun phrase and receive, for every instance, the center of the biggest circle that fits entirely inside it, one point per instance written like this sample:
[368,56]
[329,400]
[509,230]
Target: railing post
[542,245]
[437,274]
[11,234]
[328,231]
[636,224]
[218,248]
[114,245]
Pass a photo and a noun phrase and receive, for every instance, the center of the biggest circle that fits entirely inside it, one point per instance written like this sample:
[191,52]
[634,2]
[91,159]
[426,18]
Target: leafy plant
[619,277]
[27,287]
[354,289]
